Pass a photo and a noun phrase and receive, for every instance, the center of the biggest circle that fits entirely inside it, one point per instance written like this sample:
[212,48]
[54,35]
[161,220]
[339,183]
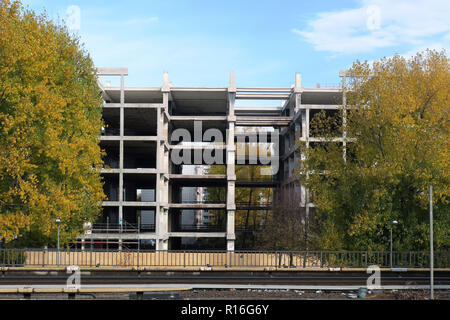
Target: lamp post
[393,223]
[58,223]
[431,246]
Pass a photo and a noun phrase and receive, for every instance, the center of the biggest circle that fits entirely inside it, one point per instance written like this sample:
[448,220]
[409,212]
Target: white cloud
[379,23]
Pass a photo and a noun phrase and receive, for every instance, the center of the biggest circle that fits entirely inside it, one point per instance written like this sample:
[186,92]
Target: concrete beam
[141,171]
[117,236]
[112,71]
[263,123]
[195,147]
[199,89]
[197,205]
[132,105]
[320,106]
[140,138]
[139,204]
[198,234]
[257,184]
[262,96]
[260,118]
[110,171]
[110,203]
[197,118]
[266,90]
[197,176]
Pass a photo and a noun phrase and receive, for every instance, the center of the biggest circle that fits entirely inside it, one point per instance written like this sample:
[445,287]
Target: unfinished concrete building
[148,192]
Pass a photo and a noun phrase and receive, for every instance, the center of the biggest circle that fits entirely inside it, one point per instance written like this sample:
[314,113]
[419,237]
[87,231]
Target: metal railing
[192,258]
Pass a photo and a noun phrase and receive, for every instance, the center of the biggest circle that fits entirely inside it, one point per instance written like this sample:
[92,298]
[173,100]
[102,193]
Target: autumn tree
[397,144]
[50,120]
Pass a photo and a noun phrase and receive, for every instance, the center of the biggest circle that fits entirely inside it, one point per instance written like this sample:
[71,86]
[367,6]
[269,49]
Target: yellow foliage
[50,118]
[398,113]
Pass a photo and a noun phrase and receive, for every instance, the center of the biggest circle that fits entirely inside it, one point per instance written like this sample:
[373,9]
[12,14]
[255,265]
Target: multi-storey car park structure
[148,192]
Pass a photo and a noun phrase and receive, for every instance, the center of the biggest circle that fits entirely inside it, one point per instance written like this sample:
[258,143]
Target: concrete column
[157,183]
[162,166]
[304,136]
[297,108]
[307,195]
[297,93]
[303,115]
[307,126]
[231,174]
[307,146]
[121,153]
[231,180]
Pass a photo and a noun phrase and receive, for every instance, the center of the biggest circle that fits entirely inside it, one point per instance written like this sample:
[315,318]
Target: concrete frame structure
[140,122]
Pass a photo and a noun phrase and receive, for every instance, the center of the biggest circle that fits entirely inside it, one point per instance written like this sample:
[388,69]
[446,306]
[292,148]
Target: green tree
[50,120]
[397,127]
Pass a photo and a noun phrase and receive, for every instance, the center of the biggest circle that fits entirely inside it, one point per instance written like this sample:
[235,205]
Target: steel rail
[211,277]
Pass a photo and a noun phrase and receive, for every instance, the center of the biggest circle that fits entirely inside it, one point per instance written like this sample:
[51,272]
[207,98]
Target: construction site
[161,143]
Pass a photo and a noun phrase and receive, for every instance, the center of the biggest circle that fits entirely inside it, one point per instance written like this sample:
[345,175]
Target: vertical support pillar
[304,200]
[304,137]
[162,166]
[122,72]
[231,174]
[297,93]
[121,152]
[307,126]
[294,106]
[294,128]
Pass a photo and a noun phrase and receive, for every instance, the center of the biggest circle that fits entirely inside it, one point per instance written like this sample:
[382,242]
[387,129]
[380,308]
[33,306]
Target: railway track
[309,278]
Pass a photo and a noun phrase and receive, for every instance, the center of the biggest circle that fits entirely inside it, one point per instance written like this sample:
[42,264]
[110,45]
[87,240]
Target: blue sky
[263,42]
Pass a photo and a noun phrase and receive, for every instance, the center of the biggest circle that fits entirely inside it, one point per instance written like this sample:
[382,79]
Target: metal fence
[242,259]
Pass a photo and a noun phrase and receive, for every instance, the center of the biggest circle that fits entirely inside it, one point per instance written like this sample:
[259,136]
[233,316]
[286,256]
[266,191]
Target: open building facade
[156,202]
